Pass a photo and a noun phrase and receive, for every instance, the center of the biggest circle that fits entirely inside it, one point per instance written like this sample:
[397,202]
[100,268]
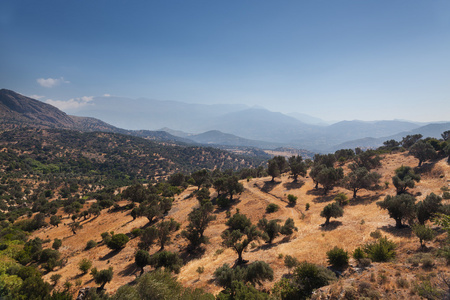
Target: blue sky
[335,60]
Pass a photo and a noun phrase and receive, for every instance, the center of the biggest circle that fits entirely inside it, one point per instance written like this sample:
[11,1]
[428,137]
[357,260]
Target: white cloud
[51,82]
[71,104]
[36,97]
[106,95]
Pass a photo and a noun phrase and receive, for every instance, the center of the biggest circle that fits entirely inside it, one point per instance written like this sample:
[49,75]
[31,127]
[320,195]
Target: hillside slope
[310,243]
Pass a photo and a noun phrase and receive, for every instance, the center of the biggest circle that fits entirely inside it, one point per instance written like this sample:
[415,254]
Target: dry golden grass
[310,243]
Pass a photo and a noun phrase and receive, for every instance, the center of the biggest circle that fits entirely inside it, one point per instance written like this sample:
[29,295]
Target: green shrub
[102,277]
[446,195]
[337,257]
[171,261]
[223,201]
[84,265]
[91,244]
[106,237]
[307,206]
[57,244]
[380,250]
[292,199]
[271,208]
[118,241]
[358,253]
[136,232]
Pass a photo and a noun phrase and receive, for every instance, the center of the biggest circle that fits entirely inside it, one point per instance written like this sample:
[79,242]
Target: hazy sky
[361,59]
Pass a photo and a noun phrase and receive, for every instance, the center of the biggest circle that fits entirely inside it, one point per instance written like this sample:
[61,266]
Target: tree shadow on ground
[293,185]
[219,209]
[269,186]
[190,254]
[363,200]
[405,231]
[267,246]
[426,167]
[129,270]
[110,255]
[331,226]
[320,197]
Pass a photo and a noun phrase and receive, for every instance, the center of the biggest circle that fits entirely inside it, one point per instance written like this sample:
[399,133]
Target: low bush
[91,244]
[380,251]
[271,208]
[338,258]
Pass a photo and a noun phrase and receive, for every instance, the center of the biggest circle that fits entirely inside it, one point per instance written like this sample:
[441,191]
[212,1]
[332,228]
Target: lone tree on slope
[404,178]
[333,210]
[400,207]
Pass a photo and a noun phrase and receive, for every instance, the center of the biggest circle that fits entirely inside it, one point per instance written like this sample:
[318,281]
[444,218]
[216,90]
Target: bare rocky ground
[361,217]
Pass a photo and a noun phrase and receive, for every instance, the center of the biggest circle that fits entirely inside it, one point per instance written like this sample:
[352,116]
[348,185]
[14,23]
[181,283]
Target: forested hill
[116,155]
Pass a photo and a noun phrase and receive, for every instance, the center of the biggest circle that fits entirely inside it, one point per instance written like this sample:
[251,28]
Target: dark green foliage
[358,253]
[102,277]
[201,178]
[446,150]
[136,232]
[34,288]
[225,275]
[400,207]
[410,140]
[292,200]
[381,250]
[338,258]
[391,145]
[57,243]
[289,227]
[298,167]
[239,290]
[84,265]
[306,278]
[360,178]
[277,166]
[332,210]
[199,219]
[344,154]
[368,159]
[169,260]
[55,221]
[240,234]
[160,232]
[424,233]
[271,208]
[118,241]
[159,285]
[328,177]
[203,196]
[404,178]
[446,135]
[254,273]
[427,208]
[271,229]
[422,151]
[290,262]
[106,237]
[142,259]
[177,179]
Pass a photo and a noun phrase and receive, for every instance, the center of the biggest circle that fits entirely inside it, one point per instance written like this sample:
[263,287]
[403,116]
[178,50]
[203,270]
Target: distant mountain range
[221,125]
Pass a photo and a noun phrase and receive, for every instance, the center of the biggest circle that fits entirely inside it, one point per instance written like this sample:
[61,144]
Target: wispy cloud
[106,95]
[51,82]
[36,97]
[71,104]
